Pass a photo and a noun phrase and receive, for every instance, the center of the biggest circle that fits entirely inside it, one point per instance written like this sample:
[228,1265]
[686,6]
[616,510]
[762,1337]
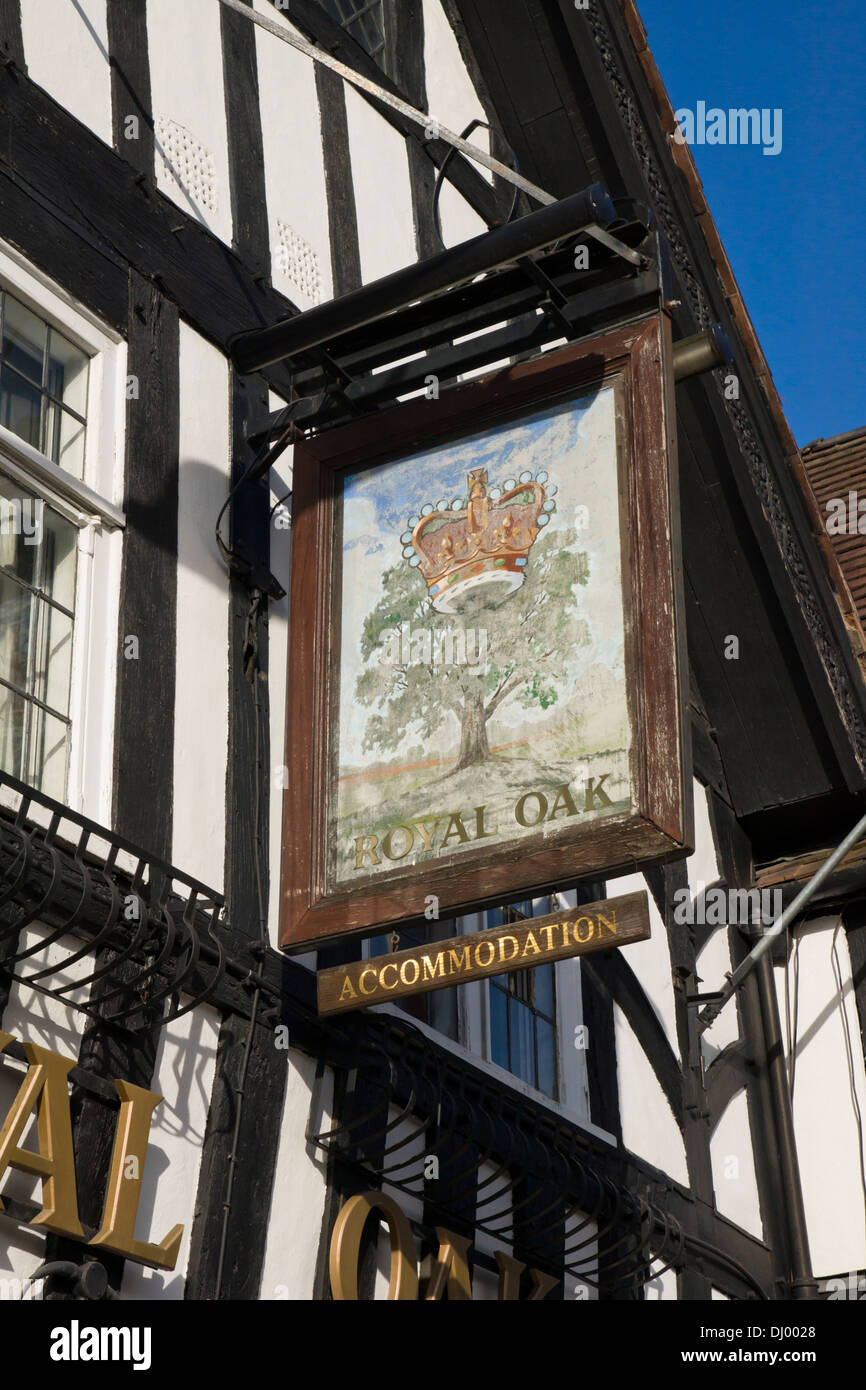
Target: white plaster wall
[201,698]
[278,639]
[573,1077]
[661,1285]
[66,51]
[826,1088]
[298,1201]
[651,960]
[21,1253]
[493,1204]
[183,1076]
[383,193]
[703,862]
[22,1247]
[733,1163]
[581,1236]
[648,1125]
[186,77]
[294,166]
[452,100]
[451,95]
[16,1185]
[407,1138]
[713,963]
[41,1018]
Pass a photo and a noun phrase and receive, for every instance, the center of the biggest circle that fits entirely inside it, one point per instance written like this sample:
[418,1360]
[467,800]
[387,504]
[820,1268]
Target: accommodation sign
[537,941]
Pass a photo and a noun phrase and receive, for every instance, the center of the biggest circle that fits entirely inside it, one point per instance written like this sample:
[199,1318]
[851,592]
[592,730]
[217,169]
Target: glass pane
[544,989]
[546,1058]
[522,1042]
[20,406]
[67,372]
[60,545]
[442,1012]
[47,753]
[52,664]
[498,1027]
[12,717]
[64,440]
[24,338]
[21,522]
[16,613]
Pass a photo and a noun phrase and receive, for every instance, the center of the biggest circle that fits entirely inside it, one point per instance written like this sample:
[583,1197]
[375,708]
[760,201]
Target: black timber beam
[130,83]
[11,38]
[310,17]
[245,146]
[86,219]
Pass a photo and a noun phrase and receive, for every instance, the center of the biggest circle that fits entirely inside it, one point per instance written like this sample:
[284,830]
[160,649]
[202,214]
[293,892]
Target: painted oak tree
[529,638]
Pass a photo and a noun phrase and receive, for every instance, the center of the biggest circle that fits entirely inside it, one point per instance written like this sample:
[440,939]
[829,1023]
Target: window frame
[386,57]
[513,913]
[93,505]
[473,1030]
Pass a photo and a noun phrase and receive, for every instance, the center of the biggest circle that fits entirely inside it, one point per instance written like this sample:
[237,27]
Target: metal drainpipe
[803,1282]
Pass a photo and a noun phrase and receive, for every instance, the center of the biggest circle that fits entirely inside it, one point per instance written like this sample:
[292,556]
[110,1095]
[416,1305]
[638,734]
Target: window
[38,554]
[364,20]
[523,1014]
[43,386]
[62,376]
[438,1007]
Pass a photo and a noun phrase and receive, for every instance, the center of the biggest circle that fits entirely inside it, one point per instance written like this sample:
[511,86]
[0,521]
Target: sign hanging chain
[437,130]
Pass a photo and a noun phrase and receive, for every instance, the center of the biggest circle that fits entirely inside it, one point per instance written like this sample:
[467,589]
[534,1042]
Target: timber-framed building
[171,176]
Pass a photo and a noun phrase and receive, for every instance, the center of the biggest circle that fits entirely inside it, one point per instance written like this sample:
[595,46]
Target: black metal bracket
[511,293]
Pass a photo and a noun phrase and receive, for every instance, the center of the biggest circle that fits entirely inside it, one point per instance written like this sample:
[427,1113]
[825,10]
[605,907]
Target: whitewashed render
[303,180]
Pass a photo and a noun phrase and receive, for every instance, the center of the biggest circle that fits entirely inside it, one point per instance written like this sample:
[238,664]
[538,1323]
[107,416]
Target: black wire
[279,502]
[437,191]
[267,451]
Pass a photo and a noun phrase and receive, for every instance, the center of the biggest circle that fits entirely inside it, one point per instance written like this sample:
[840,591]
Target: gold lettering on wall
[45,1086]
[346,1248]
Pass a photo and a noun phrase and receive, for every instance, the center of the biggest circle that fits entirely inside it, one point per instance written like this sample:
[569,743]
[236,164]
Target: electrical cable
[279,502]
[267,455]
[258,600]
[437,191]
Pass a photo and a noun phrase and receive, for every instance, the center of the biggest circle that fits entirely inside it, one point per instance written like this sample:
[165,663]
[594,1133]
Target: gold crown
[479,545]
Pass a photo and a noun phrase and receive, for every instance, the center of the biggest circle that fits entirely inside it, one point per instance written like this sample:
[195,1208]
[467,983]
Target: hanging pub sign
[485,654]
[537,941]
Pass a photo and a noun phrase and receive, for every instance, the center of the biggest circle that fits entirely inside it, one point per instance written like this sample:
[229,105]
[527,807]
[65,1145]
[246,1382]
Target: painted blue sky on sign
[575,444]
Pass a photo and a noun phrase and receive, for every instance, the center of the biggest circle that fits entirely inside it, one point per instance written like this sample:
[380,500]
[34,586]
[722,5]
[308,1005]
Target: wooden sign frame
[636,361]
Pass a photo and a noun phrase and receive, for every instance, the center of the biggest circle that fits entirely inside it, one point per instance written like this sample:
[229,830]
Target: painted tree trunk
[474,747]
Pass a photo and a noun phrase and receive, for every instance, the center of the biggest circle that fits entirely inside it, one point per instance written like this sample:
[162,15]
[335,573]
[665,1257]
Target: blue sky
[793,224]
